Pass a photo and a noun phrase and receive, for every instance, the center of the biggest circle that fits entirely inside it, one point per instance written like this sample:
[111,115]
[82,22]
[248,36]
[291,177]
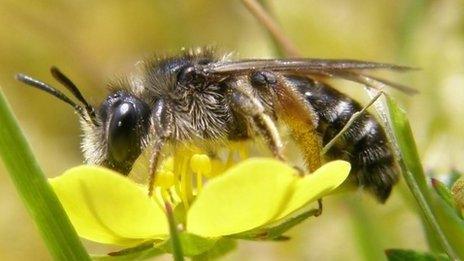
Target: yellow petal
[246,196]
[316,185]
[106,207]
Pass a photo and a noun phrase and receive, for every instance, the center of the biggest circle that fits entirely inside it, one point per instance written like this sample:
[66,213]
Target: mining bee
[201,97]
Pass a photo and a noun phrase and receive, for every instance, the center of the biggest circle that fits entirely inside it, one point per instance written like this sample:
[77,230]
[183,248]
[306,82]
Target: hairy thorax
[200,114]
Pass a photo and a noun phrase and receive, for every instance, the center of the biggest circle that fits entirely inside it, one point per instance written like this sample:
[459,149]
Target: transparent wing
[351,70]
[301,64]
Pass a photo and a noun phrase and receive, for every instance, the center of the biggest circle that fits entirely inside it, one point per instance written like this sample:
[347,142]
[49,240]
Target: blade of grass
[433,242]
[446,194]
[41,202]
[414,175]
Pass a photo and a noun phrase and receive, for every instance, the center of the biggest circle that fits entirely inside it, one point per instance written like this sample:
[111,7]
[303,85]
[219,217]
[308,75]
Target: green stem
[32,186]
[175,241]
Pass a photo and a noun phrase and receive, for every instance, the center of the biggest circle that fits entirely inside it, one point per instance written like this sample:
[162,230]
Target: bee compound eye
[127,125]
[122,132]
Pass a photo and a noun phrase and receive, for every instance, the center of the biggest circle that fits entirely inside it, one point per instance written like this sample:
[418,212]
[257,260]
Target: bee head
[115,134]
[122,133]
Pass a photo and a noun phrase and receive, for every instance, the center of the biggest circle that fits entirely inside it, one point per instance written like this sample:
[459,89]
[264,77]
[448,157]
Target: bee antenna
[66,82]
[49,89]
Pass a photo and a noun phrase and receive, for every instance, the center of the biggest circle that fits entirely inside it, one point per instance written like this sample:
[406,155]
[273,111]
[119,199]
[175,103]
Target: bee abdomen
[373,160]
[364,144]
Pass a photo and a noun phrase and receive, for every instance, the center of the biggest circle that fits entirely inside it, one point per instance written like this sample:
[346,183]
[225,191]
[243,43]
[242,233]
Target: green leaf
[445,195]
[275,232]
[107,207]
[192,245]
[221,248]
[141,252]
[445,224]
[412,255]
[40,201]
[451,223]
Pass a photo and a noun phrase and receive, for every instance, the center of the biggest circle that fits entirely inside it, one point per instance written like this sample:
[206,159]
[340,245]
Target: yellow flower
[253,195]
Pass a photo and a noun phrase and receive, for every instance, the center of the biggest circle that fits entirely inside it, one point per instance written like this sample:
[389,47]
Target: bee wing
[301,65]
[373,82]
[351,70]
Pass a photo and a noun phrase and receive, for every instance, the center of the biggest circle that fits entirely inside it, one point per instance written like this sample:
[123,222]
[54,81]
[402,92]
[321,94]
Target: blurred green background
[92,41]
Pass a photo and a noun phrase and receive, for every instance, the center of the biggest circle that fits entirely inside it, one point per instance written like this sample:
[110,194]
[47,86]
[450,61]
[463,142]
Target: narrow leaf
[273,232]
[446,195]
[138,253]
[445,227]
[221,248]
[192,245]
[411,255]
[33,188]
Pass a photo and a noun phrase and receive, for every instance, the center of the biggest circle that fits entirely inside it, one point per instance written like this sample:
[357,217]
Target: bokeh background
[94,40]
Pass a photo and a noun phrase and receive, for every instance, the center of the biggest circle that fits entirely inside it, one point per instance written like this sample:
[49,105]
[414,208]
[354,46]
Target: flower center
[180,178]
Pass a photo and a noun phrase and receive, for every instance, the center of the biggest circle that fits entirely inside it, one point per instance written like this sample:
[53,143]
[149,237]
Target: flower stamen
[201,165]
[181,177]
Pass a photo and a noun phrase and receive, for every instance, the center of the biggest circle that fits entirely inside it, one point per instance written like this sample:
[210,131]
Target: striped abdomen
[364,144]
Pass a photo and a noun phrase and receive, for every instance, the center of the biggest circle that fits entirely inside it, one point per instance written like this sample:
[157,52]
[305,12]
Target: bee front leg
[161,123]
[243,102]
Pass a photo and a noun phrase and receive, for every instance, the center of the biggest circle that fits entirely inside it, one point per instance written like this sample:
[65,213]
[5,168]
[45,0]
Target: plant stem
[32,186]
[175,241]
[280,39]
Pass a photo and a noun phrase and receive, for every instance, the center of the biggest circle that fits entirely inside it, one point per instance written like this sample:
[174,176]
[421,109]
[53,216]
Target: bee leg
[245,103]
[154,159]
[268,130]
[265,81]
[301,119]
[162,126]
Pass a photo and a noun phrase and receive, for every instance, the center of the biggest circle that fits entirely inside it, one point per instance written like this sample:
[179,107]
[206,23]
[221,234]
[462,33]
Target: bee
[202,97]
